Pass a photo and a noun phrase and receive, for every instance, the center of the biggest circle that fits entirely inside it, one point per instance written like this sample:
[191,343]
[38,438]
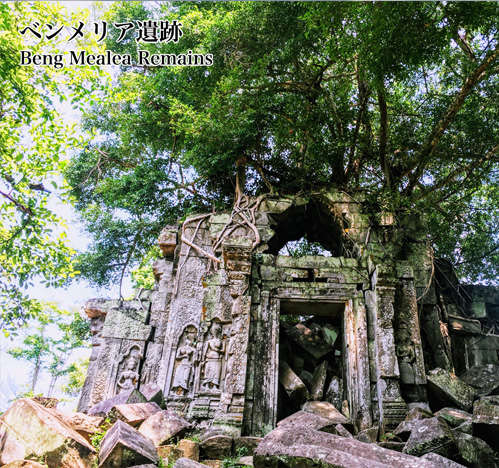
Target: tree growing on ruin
[397,101]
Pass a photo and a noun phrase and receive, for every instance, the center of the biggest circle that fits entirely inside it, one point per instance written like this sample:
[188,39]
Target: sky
[15,373]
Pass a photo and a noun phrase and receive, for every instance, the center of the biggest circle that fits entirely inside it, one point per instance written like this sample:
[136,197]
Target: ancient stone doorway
[312,352]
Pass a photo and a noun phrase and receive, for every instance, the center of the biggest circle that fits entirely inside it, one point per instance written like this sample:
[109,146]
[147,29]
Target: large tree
[397,100]
[34,141]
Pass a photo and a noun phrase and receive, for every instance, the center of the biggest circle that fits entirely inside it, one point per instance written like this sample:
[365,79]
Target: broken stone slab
[334,393]
[343,431]
[454,417]
[188,463]
[307,378]
[216,447]
[319,381]
[326,410]
[124,446]
[163,426]
[414,415]
[441,461]
[484,379]
[310,420]
[474,451]
[309,341]
[82,423]
[417,413]
[24,464]
[486,420]
[301,446]
[392,445]
[249,443]
[431,435]
[466,427]
[134,413]
[29,430]
[124,398]
[450,390]
[369,435]
[47,402]
[292,384]
[190,449]
[460,325]
[153,393]
[245,461]
[330,334]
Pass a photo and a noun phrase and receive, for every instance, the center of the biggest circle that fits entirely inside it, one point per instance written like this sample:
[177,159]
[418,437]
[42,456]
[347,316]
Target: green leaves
[34,142]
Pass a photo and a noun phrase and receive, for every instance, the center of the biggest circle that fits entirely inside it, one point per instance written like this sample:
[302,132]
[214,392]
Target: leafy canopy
[397,100]
[34,142]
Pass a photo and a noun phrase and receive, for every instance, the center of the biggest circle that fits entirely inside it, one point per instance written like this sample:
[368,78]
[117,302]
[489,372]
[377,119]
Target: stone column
[392,407]
[237,262]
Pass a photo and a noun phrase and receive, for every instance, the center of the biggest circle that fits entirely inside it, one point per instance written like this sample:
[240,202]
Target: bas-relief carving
[128,375]
[212,360]
[405,351]
[184,361]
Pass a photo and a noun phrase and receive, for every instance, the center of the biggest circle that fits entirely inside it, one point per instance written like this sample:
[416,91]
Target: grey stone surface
[188,463]
[293,385]
[29,430]
[450,390]
[431,435]
[124,398]
[124,446]
[474,451]
[250,443]
[486,420]
[485,379]
[441,461]
[311,420]
[304,447]
[133,413]
[163,426]
[216,447]
[153,392]
[454,417]
[325,410]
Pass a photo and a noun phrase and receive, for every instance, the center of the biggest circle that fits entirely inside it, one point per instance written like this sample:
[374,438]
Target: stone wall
[238,335]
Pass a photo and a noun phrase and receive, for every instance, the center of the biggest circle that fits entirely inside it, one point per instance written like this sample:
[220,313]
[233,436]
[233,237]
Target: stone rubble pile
[134,432]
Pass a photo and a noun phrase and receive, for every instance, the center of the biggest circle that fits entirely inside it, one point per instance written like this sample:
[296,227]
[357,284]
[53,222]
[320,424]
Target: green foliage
[75,377]
[311,95]
[232,462]
[48,342]
[34,141]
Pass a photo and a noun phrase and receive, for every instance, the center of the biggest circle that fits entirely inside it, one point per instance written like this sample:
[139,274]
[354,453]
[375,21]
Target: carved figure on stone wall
[405,352]
[129,378]
[184,356]
[148,370]
[213,358]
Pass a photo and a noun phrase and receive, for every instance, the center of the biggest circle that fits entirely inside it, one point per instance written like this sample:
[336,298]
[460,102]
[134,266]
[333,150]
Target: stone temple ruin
[238,335]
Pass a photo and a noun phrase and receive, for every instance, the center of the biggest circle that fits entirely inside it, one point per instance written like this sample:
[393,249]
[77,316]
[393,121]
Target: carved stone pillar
[237,261]
[392,407]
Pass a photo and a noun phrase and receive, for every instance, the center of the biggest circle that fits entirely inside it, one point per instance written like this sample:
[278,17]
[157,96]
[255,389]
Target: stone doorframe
[354,346]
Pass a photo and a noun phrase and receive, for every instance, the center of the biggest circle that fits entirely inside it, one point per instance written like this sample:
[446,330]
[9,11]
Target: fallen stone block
[486,420]
[124,398]
[292,384]
[325,410]
[466,427]
[124,446]
[216,447]
[319,381]
[474,451]
[309,341]
[29,430]
[342,431]
[417,413]
[153,393]
[454,417]
[134,413]
[294,446]
[149,465]
[330,334]
[441,461]
[449,390]
[163,426]
[24,464]
[431,435]
[310,420]
[188,463]
[190,449]
[245,461]
[484,379]
[334,393]
[392,445]
[213,463]
[249,443]
[368,436]
[47,402]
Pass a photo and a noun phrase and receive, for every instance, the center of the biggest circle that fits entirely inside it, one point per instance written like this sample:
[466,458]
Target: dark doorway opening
[311,355]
